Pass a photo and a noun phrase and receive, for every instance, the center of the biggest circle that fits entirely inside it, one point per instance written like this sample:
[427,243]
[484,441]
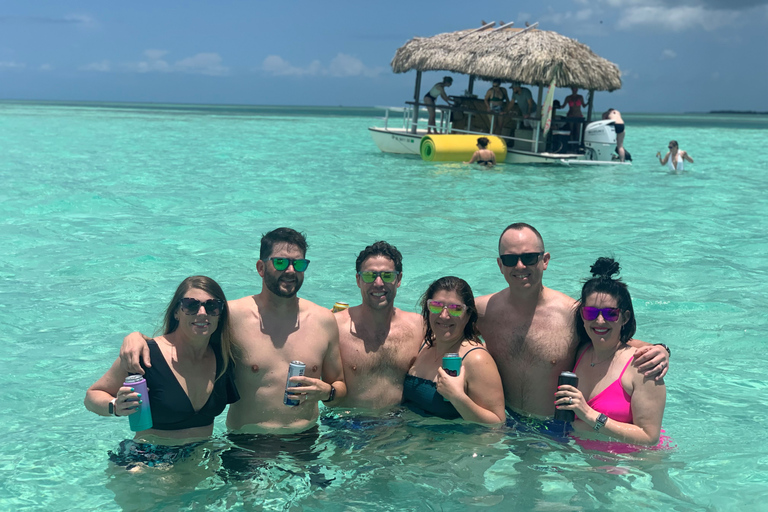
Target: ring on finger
[570,400]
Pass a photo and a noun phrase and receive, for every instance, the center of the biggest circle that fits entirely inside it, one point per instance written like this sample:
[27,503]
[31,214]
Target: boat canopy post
[471,84]
[538,100]
[591,102]
[416,106]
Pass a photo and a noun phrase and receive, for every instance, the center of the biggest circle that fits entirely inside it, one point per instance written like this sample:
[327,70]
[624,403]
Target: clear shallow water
[106,208]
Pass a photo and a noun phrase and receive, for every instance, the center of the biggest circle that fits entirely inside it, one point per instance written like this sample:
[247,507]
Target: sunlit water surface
[106,208]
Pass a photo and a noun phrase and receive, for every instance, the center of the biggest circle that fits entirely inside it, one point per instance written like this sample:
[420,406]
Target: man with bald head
[529,328]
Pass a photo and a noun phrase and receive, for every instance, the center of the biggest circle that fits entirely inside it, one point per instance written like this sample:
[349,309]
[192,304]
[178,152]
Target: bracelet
[665,348]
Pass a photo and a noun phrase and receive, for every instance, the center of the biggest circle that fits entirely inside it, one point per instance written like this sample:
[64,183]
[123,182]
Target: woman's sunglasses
[388,276]
[528,258]
[191,306]
[436,308]
[299,265]
[609,314]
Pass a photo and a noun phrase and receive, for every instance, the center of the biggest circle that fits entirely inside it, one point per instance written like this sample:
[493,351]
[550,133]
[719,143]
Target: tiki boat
[528,56]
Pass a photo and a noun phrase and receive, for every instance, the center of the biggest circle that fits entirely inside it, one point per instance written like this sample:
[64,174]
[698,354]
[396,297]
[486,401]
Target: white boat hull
[397,141]
[406,143]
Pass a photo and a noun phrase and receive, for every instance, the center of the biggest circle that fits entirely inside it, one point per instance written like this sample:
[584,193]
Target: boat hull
[407,143]
[397,141]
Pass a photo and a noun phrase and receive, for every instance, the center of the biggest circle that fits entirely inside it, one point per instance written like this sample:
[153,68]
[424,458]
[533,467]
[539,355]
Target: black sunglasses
[528,258]
[191,306]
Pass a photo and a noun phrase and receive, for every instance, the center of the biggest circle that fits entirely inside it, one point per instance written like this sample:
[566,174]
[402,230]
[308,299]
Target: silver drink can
[296,368]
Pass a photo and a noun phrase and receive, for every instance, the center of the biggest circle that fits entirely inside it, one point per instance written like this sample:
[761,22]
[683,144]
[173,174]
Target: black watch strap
[600,423]
[112,408]
[665,348]
[332,395]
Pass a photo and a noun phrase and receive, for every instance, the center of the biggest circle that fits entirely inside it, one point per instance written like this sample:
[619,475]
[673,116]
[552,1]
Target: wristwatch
[600,423]
[112,407]
[665,348]
[332,395]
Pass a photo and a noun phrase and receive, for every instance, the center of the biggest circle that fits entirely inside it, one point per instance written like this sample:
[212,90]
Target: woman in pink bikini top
[575,101]
[612,399]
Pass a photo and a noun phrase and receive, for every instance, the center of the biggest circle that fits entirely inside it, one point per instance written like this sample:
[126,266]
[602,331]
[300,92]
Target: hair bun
[605,268]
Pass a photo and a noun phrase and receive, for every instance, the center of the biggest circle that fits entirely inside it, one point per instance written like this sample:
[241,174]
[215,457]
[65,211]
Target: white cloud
[155,54]
[629,74]
[202,64]
[276,65]
[207,63]
[668,54]
[10,64]
[342,65]
[83,20]
[102,66]
[676,19]
[346,65]
[45,67]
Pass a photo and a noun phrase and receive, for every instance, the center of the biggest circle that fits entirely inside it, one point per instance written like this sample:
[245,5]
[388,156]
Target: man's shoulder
[557,301]
[409,317]
[557,298]
[239,307]
[481,303]
[317,311]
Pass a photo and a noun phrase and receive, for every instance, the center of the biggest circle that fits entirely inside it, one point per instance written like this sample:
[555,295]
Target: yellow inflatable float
[458,148]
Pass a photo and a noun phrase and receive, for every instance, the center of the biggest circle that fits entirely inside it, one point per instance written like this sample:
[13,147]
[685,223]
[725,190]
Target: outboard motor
[600,140]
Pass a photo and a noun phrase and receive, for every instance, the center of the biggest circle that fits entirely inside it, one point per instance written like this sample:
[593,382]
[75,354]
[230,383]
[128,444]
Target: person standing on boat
[618,124]
[495,100]
[483,155]
[524,99]
[575,101]
[437,91]
[574,116]
[675,157]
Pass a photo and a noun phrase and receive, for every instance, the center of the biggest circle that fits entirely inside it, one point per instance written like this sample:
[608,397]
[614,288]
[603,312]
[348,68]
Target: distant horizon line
[371,107]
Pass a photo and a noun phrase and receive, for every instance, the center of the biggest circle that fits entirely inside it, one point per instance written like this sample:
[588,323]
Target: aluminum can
[339,306]
[296,368]
[142,418]
[569,379]
[452,365]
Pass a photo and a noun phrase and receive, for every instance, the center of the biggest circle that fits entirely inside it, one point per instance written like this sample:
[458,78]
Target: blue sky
[675,56]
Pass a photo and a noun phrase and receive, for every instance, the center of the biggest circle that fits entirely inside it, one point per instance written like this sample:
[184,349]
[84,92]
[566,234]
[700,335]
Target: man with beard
[269,330]
[378,341]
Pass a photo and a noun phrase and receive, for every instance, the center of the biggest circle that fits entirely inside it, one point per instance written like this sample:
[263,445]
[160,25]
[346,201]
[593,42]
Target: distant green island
[753,112]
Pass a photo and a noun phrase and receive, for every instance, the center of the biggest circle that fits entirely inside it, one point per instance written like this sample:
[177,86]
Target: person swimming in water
[483,155]
[675,157]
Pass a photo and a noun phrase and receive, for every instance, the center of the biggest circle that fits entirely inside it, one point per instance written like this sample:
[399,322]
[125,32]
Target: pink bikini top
[613,401]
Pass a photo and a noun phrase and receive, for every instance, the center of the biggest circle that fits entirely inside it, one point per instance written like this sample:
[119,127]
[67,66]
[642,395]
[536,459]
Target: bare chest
[363,353]
[540,341]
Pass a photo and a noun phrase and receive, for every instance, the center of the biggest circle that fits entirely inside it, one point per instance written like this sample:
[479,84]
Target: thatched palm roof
[528,56]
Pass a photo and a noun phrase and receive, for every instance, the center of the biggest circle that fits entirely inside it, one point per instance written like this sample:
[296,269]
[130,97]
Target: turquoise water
[105,208]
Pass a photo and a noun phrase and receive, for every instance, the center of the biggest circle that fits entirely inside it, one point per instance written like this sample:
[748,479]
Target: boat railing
[412,122]
[446,127]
